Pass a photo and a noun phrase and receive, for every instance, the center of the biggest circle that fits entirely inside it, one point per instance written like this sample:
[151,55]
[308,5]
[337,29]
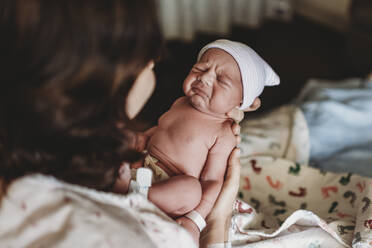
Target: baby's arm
[140,144]
[142,139]
[213,172]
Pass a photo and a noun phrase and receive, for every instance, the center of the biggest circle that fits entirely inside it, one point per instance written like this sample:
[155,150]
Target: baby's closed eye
[223,81]
[197,69]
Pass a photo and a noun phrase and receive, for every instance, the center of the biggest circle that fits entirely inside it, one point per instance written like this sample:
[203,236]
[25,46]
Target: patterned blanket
[284,203]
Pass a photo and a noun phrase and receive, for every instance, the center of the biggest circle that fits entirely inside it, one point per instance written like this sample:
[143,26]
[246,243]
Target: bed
[306,168]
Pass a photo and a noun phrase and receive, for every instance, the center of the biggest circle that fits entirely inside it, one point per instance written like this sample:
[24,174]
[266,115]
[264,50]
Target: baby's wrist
[196,219]
[194,226]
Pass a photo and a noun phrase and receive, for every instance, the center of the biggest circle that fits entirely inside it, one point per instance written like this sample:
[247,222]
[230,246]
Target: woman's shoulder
[40,206]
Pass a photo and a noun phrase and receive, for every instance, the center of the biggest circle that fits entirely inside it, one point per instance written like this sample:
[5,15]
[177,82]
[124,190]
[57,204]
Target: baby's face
[214,84]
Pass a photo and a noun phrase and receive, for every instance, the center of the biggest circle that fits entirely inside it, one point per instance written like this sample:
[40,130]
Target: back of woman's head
[66,68]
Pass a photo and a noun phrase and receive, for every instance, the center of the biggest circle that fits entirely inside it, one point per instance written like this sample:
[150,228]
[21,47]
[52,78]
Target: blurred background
[300,39]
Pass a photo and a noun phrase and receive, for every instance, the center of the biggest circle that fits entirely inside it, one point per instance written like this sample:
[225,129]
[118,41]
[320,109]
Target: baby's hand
[137,140]
[122,182]
[191,227]
[140,142]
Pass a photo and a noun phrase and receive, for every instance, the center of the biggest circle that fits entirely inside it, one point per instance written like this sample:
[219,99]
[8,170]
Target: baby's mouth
[200,92]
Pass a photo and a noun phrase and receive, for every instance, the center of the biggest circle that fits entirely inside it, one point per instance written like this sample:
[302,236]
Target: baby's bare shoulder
[177,106]
[180,101]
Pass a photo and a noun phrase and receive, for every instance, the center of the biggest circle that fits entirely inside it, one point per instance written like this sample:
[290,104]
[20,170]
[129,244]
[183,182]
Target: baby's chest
[191,132]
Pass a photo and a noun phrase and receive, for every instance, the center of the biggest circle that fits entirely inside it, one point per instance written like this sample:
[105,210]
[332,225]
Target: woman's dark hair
[60,94]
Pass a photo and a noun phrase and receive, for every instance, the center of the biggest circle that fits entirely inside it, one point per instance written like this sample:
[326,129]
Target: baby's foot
[121,185]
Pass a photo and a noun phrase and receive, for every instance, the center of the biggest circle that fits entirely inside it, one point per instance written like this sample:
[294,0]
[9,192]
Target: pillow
[282,133]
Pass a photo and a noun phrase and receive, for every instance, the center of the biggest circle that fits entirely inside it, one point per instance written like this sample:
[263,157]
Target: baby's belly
[178,157]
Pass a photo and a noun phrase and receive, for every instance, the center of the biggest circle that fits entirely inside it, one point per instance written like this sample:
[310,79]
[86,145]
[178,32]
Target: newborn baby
[189,148]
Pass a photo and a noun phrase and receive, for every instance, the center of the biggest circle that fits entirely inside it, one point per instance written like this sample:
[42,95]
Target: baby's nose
[207,79]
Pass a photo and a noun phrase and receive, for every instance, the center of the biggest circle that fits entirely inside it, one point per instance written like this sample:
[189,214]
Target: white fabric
[220,245]
[295,206]
[40,211]
[255,72]
[142,183]
[197,219]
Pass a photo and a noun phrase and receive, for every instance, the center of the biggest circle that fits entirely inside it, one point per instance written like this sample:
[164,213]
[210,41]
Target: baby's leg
[177,195]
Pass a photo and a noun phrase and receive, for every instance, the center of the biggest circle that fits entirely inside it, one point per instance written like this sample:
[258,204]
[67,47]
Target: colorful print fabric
[283,133]
[284,203]
[278,197]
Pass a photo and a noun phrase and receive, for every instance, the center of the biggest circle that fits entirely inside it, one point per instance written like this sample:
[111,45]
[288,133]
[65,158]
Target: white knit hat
[255,72]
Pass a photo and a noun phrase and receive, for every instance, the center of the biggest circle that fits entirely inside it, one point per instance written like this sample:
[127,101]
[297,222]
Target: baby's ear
[254,106]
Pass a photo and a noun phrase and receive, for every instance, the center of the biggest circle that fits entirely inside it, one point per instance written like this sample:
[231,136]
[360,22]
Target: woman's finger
[233,169]
[224,205]
[231,184]
[238,139]
[235,128]
[236,114]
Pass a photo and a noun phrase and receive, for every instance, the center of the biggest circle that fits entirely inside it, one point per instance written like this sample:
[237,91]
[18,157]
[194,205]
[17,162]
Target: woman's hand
[218,221]
[224,203]
[236,114]
[223,207]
